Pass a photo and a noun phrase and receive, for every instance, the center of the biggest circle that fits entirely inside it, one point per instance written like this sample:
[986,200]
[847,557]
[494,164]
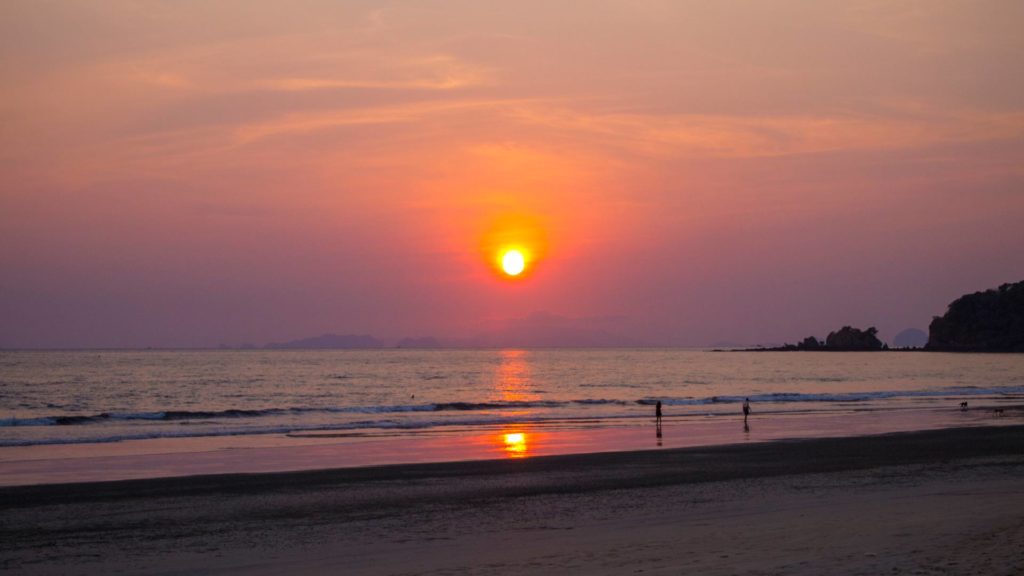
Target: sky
[194,173]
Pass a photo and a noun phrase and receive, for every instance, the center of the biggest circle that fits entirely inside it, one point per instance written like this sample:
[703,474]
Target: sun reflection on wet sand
[515,444]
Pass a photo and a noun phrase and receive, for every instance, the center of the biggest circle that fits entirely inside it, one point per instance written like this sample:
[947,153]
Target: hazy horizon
[192,174]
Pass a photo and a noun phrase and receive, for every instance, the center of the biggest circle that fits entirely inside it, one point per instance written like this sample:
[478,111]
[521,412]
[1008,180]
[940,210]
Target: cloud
[661,147]
[746,136]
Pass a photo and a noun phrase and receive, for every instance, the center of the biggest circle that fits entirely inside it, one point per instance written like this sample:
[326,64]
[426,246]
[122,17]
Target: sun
[513,246]
[513,262]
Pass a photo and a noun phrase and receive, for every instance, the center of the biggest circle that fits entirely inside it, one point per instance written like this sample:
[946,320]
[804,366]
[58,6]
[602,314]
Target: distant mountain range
[329,341]
[540,330]
[992,320]
[496,340]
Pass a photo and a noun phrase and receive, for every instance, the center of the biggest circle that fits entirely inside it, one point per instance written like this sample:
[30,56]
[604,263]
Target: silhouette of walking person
[657,421]
[746,410]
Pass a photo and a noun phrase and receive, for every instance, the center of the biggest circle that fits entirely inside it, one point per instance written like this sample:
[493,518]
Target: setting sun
[513,262]
[513,245]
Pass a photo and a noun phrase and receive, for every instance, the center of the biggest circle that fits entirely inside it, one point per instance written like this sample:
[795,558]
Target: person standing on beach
[657,421]
[746,409]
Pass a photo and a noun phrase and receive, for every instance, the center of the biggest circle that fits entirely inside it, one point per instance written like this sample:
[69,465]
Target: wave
[839,397]
[71,420]
[185,416]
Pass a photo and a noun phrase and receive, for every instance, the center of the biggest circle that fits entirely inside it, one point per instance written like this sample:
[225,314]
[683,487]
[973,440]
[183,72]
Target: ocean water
[75,397]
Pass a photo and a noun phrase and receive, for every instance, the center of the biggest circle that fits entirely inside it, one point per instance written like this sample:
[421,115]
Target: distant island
[846,339]
[910,338]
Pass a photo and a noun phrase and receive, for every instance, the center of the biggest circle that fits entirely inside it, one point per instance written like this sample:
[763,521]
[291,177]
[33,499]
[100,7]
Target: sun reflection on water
[512,380]
[513,386]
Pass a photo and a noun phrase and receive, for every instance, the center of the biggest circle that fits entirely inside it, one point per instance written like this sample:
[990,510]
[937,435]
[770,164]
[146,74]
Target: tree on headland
[847,338]
[810,343]
[842,340]
[989,321]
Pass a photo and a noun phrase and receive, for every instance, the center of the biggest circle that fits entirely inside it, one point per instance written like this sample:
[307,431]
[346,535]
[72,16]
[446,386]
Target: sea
[52,398]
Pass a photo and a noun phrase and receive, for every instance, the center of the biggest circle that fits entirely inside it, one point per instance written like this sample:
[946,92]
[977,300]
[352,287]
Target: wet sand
[934,502]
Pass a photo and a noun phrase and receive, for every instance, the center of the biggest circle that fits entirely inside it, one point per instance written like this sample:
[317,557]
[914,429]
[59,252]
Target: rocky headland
[989,321]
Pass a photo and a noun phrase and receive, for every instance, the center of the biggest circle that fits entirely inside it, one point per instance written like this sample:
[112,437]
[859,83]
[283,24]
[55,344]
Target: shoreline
[651,467]
[875,504]
[274,453]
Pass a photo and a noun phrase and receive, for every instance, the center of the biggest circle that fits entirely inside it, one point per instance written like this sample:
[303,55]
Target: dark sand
[936,502]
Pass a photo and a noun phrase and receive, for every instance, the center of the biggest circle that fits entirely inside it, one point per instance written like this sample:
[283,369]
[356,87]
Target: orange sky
[195,173]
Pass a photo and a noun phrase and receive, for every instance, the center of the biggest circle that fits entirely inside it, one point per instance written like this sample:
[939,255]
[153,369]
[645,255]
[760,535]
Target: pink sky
[194,173]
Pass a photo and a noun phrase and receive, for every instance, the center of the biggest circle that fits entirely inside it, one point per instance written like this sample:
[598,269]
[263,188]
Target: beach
[467,288]
[78,416]
[930,502]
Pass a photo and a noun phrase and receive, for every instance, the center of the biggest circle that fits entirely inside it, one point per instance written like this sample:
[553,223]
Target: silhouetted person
[746,410]
[657,413]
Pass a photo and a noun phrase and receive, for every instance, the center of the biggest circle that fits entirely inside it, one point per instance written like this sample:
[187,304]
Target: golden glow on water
[515,444]
[513,381]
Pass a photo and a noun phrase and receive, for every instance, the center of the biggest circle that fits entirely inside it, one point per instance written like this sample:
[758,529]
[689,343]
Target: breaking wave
[238,413]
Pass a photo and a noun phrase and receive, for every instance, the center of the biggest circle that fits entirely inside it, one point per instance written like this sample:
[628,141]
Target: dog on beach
[963,406]
[997,411]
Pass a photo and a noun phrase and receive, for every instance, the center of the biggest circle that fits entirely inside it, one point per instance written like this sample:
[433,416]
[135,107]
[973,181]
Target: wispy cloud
[742,136]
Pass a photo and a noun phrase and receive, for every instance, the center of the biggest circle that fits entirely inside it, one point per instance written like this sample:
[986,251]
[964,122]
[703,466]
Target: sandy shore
[936,502]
